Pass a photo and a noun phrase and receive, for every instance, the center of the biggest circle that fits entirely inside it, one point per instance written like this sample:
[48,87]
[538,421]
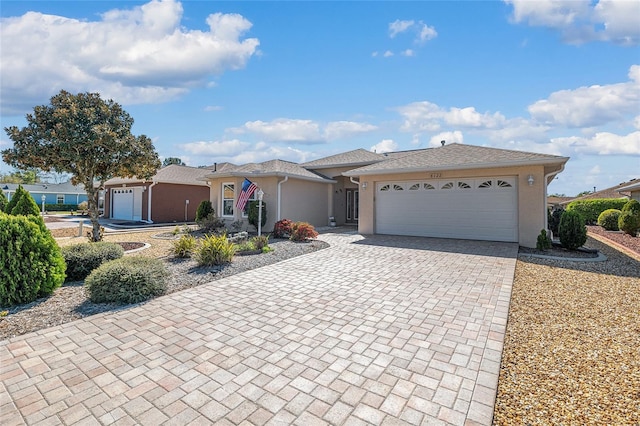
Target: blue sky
[253,81]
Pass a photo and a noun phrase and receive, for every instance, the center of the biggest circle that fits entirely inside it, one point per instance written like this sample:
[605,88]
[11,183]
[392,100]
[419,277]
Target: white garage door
[122,203]
[475,209]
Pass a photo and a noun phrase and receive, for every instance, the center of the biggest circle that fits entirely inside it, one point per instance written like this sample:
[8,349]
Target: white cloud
[341,129]
[448,137]
[590,106]
[387,53]
[602,143]
[427,116]
[284,130]
[398,26]
[226,148]
[210,108]
[385,145]
[636,122]
[374,54]
[408,52]
[595,170]
[581,21]
[426,32]
[137,55]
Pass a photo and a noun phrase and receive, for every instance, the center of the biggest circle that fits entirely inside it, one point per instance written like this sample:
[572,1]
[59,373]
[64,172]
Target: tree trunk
[92,201]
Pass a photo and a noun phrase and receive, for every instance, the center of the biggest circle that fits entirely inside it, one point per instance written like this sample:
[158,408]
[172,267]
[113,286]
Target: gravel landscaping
[70,302]
[571,348]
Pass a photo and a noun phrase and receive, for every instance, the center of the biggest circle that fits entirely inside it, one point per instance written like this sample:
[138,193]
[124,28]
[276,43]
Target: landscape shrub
[632,206]
[252,213]
[302,231]
[211,223]
[629,223]
[127,280]
[185,246]
[553,219]
[82,259]
[3,200]
[64,207]
[282,228]
[215,250]
[84,205]
[20,192]
[261,242]
[26,206]
[608,219]
[204,210]
[591,209]
[543,242]
[572,230]
[32,265]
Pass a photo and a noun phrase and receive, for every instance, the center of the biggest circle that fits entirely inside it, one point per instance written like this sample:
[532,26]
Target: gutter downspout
[546,179]
[286,178]
[352,179]
[149,202]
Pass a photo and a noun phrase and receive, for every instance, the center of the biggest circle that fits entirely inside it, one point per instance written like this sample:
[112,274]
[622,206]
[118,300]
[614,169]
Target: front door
[352,205]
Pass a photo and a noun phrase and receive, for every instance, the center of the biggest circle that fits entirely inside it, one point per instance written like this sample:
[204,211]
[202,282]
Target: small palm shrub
[282,228]
[210,223]
[572,231]
[608,219]
[204,210]
[127,280]
[302,231]
[215,250]
[83,258]
[260,242]
[32,265]
[185,246]
[544,242]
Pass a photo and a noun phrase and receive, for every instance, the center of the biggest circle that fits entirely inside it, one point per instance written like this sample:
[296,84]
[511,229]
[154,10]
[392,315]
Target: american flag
[247,189]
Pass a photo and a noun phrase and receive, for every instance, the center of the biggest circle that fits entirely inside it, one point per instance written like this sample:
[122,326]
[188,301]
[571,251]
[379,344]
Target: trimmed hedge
[629,220]
[608,219]
[32,265]
[83,258]
[591,209]
[60,207]
[127,280]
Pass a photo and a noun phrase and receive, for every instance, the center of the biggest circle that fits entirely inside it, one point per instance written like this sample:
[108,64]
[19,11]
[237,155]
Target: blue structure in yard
[54,193]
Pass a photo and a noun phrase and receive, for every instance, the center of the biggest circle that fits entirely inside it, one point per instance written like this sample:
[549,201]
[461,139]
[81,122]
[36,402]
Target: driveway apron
[375,330]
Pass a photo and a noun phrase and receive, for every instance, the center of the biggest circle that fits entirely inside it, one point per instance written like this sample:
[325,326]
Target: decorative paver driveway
[382,330]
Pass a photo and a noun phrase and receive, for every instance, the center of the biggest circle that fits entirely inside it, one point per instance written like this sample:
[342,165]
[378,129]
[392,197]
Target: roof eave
[559,161]
[334,166]
[270,174]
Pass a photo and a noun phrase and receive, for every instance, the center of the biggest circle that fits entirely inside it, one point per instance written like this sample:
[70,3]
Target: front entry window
[227,199]
[352,205]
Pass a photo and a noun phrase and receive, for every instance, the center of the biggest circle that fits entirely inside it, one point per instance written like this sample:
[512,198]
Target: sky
[250,81]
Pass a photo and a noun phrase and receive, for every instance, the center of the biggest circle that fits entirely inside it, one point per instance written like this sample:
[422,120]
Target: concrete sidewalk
[377,330]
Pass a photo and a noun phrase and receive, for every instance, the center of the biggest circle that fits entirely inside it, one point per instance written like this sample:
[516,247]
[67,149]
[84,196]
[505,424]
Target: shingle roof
[58,188]
[270,168]
[357,157]
[632,186]
[173,173]
[618,191]
[455,156]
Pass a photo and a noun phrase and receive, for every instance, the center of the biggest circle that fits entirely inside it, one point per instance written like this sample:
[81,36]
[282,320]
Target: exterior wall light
[530,180]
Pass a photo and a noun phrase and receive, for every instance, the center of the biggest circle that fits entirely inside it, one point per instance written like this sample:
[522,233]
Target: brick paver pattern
[376,330]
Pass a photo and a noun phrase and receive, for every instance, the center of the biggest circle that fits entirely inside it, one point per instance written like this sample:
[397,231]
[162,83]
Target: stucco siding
[305,201]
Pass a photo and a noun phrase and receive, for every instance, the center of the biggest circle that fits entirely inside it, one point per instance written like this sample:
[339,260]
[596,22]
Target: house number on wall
[436,175]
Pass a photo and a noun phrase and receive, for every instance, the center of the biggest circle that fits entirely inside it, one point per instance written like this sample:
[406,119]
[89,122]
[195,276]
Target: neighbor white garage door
[127,203]
[475,209]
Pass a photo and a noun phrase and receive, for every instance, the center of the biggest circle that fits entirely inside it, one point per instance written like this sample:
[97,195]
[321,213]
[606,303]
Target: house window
[463,185]
[60,199]
[253,197]
[486,184]
[429,186]
[503,184]
[448,185]
[228,199]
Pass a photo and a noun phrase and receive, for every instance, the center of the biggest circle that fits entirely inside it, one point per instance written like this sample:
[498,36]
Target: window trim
[223,199]
[58,196]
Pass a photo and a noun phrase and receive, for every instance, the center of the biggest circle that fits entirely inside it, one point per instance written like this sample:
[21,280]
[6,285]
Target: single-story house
[632,189]
[171,195]
[616,191]
[54,193]
[453,191]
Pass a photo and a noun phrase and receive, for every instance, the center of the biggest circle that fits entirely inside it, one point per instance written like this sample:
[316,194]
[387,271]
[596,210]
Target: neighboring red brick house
[171,195]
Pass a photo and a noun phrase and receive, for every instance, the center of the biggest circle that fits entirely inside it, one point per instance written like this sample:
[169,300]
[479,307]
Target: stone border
[144,247]
[601,257]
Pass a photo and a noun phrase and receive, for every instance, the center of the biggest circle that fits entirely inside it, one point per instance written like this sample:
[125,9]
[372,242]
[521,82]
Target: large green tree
[85,136]
[172,160]
[26,177]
